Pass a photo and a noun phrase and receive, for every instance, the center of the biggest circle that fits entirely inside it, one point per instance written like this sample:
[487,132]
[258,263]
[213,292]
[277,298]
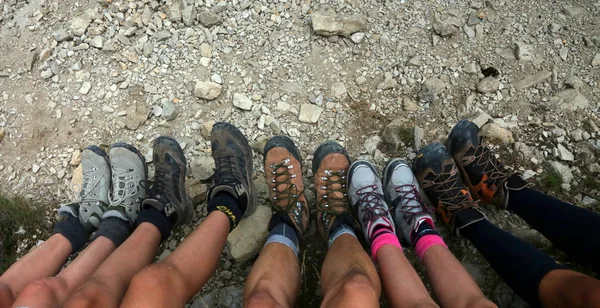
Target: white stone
[242,101]
[310,113]
[247,239]
[85,88]
[207,90]
[564,154]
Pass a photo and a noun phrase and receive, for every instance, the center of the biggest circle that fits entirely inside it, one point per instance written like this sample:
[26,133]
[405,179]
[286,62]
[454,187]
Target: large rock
[564,154]
[197,191]
[532,80]
[569,99]
[207,90]
[488,84]
[203,167]
[79,24]
[524,52]
[494,133]
[395,133]
[443,28]
[209,19]
[338,90]
[246,240]
[561,171]
[310,113]
[596,60]
[328,24]
[242,101]
[431,90]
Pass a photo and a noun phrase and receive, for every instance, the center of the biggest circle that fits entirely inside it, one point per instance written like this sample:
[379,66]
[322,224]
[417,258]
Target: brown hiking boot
[330,169]
[487,178]
[283,171]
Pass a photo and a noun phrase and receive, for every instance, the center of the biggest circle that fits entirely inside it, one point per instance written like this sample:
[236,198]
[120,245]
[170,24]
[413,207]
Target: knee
[7,297]
[49,288]
[92,294]
[358,288]
[159,277]
[262,296]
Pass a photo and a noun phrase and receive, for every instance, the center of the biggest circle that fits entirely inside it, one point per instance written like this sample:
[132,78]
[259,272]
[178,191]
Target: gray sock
[71,228]
[115,229]
[284,234]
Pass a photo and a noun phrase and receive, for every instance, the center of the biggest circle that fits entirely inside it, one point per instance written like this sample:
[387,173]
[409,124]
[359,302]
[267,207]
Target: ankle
[228,204]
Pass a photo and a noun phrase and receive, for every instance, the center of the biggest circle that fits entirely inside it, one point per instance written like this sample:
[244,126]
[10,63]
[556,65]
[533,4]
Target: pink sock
[426,242]
[385,238]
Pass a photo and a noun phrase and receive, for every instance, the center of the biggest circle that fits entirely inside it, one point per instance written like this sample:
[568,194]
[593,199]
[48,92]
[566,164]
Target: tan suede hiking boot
[330,169]
[283,171]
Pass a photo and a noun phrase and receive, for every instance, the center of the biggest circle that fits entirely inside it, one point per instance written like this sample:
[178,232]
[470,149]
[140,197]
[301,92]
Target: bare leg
[275,278]
[172,282]
[566,288]
[453,285]
[348,276]
[403,287]
[44,261]
[107,287]
[54,291]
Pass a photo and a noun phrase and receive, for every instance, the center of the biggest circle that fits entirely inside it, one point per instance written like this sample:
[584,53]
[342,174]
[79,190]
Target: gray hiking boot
[402,193]
[92,198]
[129,173]
[167,192]
[366,195]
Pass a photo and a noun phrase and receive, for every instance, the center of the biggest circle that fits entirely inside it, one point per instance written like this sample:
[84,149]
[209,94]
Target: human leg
[44,261]
[109,282]
[71,232]
[452,284]
[275,277]
[173,281]
[348,275]
[520,265]
[570,228]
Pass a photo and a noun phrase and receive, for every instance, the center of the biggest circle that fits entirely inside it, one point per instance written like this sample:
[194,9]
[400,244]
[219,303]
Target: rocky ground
[381,77]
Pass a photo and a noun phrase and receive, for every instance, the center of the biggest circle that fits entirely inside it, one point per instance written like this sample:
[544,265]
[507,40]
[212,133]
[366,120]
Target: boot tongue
[516,182]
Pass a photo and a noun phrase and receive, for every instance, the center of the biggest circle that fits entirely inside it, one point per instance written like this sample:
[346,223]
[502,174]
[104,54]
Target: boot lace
[375,206]
[410,210]
[228,170]
[287,198]
[448,191]
[124,187]
[483,157]
[85,192]
[334,200]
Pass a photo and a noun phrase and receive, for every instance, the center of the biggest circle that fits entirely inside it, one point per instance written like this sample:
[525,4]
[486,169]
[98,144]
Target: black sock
[115,229]
[424,229]
[158,219]
[227,204]
[573,229]
[518,263]
[71,228]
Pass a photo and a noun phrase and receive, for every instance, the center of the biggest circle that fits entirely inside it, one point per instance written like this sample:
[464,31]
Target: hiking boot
[330,169]
[92,199]
[167,192]
[233,167]
[129,175]
[365,192]
[402,192]
[283,171]
[439,177]
[487,178]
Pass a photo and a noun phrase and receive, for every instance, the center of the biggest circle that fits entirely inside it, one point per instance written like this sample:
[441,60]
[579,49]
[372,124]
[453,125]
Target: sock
[284,234]
[115,229]
[158,219]
[71,228]
[426,242]
[227,204]
[339,231]
[424,229]
[383,236]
